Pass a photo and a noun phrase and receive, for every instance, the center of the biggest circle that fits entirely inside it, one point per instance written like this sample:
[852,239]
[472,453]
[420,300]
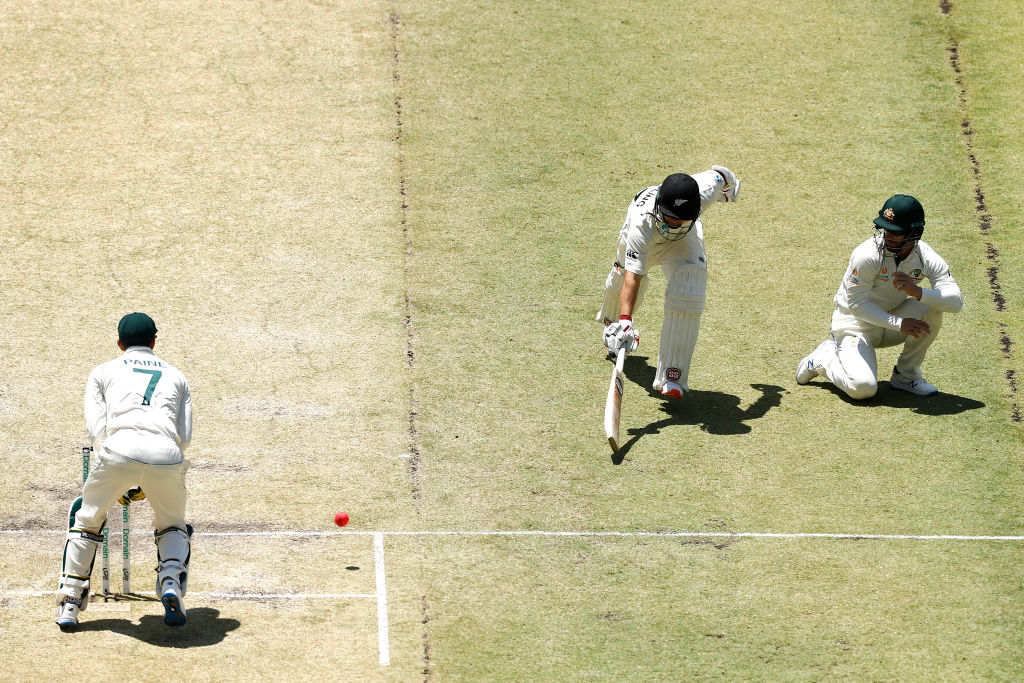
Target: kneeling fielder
[140,408]
[881,303]
[663,228]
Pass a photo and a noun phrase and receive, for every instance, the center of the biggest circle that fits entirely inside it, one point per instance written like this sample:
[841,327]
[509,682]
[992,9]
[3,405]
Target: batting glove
[731,188]
[622,334]
[131,496]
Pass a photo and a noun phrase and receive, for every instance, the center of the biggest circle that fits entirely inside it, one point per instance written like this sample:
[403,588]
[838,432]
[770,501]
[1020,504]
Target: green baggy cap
[136,329]
[901,213]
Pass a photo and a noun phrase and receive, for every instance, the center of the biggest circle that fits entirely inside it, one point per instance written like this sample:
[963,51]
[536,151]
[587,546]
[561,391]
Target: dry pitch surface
[373,235]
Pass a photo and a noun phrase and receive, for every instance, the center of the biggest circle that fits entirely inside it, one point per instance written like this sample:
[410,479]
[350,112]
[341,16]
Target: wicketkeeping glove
[131,496]
[621,334]
[731,189]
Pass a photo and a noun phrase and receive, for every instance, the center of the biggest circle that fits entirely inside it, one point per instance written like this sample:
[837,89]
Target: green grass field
[375,235]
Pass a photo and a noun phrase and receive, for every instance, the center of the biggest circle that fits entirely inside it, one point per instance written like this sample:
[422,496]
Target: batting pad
[684,304]
[173,552]
[609,312]
[79,555]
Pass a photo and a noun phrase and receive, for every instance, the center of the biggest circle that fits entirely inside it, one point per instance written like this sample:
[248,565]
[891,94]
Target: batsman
[138,411]
[663,227]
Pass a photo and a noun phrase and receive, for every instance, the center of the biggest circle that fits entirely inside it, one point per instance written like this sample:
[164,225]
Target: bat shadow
[205,627]
[714,412]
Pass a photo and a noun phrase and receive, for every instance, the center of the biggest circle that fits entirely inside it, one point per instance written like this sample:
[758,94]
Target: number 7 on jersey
[613,406]
[154,377]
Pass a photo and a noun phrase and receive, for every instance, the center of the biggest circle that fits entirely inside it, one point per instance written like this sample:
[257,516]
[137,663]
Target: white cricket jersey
[866,291]
[140,407]
[644,245]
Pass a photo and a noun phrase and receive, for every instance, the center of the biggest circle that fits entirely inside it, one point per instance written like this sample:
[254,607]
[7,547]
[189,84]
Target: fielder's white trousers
[852,364]
[164,486]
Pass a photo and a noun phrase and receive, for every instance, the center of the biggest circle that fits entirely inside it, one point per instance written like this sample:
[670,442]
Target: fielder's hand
[730,191]
[621,334]
[912,327]
[131,496]
[906,284]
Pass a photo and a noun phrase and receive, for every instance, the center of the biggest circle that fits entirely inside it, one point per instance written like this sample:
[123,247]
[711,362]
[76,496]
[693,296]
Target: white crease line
[623,534]
[216,594]
[707,534]
[284,596]
[383,648]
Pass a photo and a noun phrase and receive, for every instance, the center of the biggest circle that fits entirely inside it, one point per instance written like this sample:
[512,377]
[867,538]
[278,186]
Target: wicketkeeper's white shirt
[140,408]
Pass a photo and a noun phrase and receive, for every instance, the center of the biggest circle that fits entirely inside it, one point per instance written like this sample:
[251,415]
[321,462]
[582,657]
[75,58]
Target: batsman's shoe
[67,614]
[174,606]
[672,390]
[805,371]
[918,387]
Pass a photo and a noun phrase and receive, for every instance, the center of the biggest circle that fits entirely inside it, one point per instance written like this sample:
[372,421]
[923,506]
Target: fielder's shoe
[672,390]
[805,371]
[174,607]
[918,387]
[67,614]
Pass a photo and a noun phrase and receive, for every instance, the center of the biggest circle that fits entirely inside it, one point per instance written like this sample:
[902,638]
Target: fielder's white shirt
[866,291]
[140,408]
[643,242]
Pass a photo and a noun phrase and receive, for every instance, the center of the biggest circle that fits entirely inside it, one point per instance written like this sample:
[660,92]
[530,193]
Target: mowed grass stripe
[552,116]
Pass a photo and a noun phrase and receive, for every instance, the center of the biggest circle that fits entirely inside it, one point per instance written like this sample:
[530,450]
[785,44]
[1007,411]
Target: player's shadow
[940,404]
[205,627]
[714,412]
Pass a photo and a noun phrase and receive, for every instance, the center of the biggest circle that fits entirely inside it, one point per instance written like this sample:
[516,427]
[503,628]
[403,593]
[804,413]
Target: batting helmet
[679,197]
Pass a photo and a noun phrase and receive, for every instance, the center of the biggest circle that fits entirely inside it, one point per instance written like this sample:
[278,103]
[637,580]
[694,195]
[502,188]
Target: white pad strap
[684,304]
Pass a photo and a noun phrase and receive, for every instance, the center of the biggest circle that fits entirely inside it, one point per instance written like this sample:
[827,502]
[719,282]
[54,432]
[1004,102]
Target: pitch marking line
[383,648]
[214,594]
[584,534]
[631,534]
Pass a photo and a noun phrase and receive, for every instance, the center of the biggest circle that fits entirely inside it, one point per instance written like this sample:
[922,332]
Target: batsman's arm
[630,290]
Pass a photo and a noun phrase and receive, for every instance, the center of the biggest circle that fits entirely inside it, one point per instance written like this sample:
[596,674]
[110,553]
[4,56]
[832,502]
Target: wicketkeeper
[663,227]
[881,303]
[138,411]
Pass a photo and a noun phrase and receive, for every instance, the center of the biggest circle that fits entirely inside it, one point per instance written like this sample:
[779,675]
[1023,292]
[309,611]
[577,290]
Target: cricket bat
[613,406]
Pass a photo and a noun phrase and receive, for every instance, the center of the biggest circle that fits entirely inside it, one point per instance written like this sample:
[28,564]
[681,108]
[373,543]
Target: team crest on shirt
[916,274]
[852,277]
[884,271]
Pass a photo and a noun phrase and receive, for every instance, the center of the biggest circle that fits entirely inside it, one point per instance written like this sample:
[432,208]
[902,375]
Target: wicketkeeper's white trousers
[113,475]
[851,364]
